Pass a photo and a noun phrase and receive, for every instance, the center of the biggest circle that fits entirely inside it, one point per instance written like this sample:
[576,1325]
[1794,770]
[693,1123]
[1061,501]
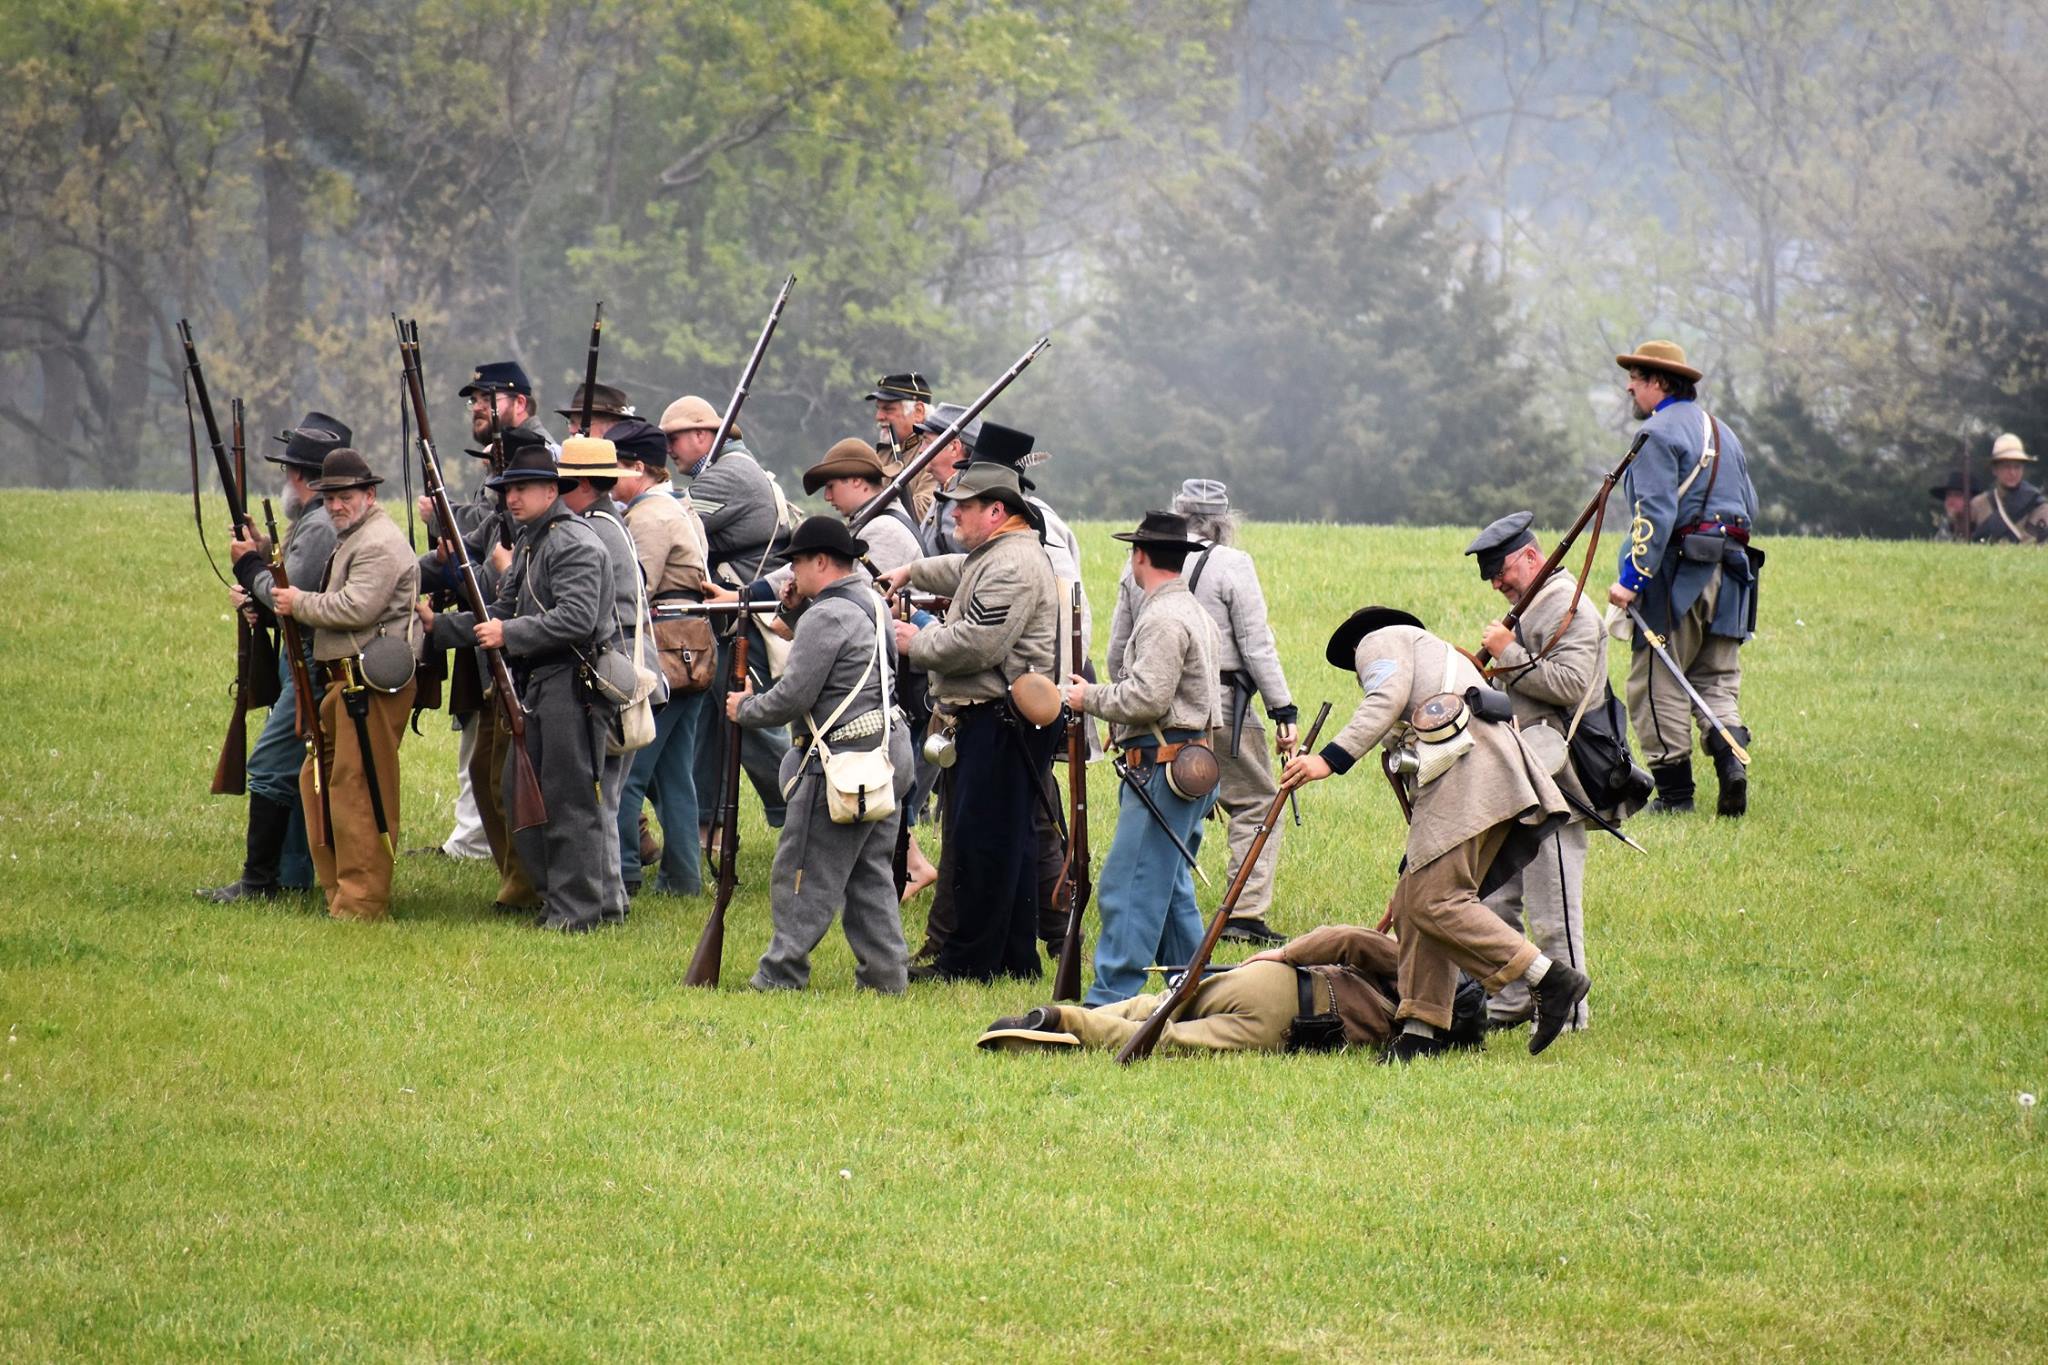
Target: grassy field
[1796,1130]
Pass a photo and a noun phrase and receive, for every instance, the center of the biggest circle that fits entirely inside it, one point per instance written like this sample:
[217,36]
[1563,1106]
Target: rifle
[590,370]
[1147,1037]
[1591,511]
[710,954]
[739,394]
[305,702]
[231,770]
[897,486]
[231,487]
[1074,878]
[676,610]
[528,809]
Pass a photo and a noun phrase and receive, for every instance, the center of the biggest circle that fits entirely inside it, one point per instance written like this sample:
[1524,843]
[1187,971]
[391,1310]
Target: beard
[1642,413]
[295,502]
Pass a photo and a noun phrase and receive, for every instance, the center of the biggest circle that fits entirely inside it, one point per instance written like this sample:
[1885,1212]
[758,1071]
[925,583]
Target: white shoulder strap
[1708,451]
[817,730]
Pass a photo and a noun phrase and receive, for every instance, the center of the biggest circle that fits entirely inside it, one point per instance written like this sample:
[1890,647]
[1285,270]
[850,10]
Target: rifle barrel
[590,369]
[746,384]
[238,511]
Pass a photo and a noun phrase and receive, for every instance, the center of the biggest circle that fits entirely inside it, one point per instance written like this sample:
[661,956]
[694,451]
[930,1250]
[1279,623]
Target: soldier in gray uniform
[1689,569]
[839,681]
[742,510]
[1166,699]
[593,462]
[1480,803]
[1225,581]
[550,617]
[276,858]
[1550,665]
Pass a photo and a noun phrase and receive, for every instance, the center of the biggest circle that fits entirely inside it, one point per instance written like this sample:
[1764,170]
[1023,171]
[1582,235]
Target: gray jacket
[1170,678]
[628,588]
[834,646]
[737,504]
[1548,692]
[552,600]
[1223,579]
[1004,621]
[308,545]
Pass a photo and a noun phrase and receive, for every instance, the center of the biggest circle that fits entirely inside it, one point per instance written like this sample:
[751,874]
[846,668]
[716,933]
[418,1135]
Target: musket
[238,511]
[305,702]
[590,370]
[527,807]
[1147,1037]
[231,770]
[739,393]
[675,611]
[710,954]
[1699,703]
[896,486]
[1591,511]
[1074,877]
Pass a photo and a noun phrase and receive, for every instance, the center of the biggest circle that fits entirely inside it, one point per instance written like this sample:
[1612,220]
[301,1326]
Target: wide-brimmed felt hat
[852,458]
[1500,539]
[990,480]
[607,402]
[344,468]
[1941,491]
[528,463]
[1342,650]
[907,387]
[2009,447]
[506,376]
[306,445]
[1668,356]
[589,457]
[827,534]
[689,413]
[638,439]
[1168,530]
[1004,445]
[1202,497]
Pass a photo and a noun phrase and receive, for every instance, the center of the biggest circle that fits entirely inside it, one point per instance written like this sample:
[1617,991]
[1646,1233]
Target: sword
[1138,787]
[1656,643]
[1597,818]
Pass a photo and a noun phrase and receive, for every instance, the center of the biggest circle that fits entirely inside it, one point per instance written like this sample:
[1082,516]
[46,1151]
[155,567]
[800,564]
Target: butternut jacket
[669,541]
[1498,782]
[368,589]
[1004,621]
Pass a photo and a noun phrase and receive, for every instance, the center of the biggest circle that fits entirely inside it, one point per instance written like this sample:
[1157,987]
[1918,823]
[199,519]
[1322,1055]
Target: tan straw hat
[1668,356]
[589,457]
[689,413]
[2008,447]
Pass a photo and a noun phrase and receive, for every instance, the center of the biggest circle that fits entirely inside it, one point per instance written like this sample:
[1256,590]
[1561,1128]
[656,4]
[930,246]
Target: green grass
[1794,1131]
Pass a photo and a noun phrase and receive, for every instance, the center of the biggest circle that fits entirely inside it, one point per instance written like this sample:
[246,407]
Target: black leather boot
[1674,787]
[268,821]
[1734,774]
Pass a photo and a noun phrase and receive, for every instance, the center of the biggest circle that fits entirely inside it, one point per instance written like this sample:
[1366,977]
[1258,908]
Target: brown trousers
[486,779]
[1246,1009]
[1444,926]
[355,870]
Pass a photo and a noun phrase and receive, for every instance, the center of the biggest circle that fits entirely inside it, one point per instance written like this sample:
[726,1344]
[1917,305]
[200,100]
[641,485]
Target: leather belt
[1719,528]
[1152,754]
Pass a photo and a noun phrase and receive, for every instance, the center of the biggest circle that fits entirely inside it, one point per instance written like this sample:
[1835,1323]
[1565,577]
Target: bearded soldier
[1225,581]
[1550,665]
[551,617]
[2011,511]
[1689,570]
[364,652]
[1165,702]
[900,401]
[276,858]
[838,692]
[1002,624]
[1481,805]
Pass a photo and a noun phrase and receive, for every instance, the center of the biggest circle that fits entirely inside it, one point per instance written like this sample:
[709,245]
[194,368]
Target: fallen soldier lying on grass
[1327,989]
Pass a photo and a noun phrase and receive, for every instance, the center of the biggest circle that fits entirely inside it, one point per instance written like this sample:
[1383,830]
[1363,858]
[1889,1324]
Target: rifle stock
[528,809]
[1592,509]
[895,487]
[305,703]
[1074,878]
[1147,1037]
[709,957]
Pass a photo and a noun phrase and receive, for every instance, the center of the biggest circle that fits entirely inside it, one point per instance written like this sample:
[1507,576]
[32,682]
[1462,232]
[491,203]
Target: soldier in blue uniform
[1690,570]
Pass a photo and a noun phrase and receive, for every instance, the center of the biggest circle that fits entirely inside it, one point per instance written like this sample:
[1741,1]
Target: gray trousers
[613,789]
[573,854]
[1545,900]
[1244,792]
[1663,716]
[822,869]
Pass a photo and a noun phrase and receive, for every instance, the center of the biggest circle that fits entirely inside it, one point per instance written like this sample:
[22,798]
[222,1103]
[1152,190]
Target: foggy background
[1366,261]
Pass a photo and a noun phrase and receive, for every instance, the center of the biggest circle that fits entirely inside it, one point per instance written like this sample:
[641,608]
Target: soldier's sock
[1534,976]
[1418,1028]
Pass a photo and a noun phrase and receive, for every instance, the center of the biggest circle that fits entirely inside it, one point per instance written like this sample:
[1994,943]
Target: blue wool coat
[1665,583]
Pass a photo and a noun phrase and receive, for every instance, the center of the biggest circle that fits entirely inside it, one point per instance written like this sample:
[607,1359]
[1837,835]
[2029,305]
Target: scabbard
[1241,692]
[356,701]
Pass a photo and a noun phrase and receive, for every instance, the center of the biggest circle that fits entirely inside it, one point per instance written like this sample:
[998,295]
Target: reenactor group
[917,657]
[2009,510]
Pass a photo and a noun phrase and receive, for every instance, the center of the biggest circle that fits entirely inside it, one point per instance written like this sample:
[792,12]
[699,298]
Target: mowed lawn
[1797,1129]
